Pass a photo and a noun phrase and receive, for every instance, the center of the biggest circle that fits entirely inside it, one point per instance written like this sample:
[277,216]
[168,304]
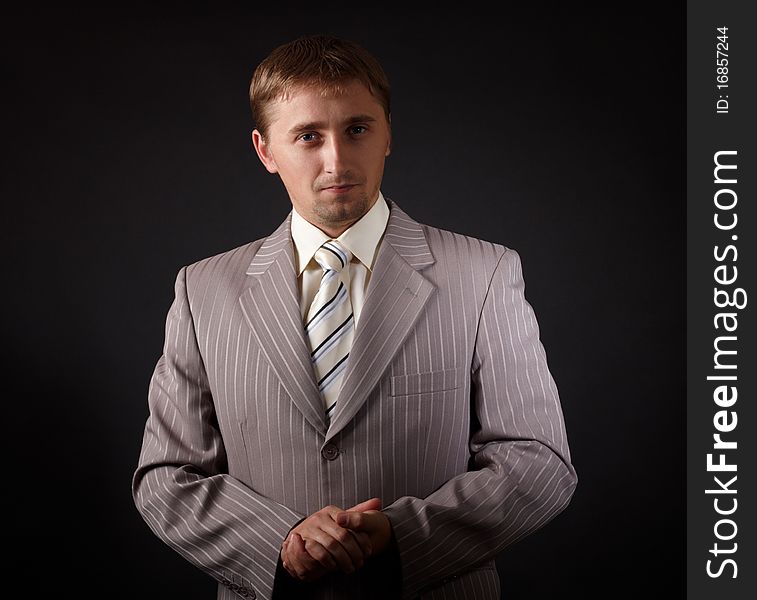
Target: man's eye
[358,129]
[307,137]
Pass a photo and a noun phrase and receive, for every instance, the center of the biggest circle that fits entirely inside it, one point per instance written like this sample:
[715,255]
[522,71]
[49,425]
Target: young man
[358,405]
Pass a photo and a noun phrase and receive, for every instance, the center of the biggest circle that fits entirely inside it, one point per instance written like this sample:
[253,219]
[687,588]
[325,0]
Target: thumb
[298,543]
[372,504]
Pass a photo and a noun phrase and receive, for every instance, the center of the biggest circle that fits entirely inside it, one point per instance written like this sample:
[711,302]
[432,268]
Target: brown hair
[322,61]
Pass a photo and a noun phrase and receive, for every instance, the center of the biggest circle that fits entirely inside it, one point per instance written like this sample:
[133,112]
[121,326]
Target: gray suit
[448,413]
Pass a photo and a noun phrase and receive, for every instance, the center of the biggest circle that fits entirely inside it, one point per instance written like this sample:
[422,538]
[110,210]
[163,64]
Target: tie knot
[332,256]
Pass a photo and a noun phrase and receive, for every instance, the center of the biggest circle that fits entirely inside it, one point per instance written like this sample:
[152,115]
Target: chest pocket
[425,383]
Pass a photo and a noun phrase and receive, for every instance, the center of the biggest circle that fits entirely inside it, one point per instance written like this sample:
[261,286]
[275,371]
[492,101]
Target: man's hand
[319,545]
[374,523]
[298,562]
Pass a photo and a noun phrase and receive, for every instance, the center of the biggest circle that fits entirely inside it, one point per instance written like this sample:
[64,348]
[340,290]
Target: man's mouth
[340,189]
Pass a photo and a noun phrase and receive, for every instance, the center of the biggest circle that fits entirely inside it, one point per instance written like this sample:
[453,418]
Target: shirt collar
[361,238]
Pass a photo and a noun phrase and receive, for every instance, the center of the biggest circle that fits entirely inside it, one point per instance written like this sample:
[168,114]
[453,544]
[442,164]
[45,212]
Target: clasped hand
[336,539]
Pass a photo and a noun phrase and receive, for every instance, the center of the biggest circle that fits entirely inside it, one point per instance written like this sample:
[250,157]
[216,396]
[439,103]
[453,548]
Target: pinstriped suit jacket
[448,413]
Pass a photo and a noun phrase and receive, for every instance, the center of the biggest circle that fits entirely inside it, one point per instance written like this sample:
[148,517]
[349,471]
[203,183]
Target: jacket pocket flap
[421,383]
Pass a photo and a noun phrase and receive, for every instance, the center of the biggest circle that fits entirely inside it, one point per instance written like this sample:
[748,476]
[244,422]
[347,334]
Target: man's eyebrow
[310,125]
[360,119]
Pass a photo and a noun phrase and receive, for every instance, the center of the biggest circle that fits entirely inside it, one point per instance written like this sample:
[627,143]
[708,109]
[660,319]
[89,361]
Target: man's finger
[355,521]
[293,558]
[365,521]
[305,566]
[372,504]
[342,544]
[319,553]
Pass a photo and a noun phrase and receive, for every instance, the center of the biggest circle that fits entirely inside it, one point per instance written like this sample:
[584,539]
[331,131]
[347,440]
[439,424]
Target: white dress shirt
[362,238]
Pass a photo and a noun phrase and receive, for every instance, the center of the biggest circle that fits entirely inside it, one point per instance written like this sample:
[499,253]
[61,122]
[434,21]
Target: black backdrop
[558,131]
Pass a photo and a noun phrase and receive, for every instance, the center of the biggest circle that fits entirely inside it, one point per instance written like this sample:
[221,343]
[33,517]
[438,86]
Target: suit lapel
[395,298]
[271,307]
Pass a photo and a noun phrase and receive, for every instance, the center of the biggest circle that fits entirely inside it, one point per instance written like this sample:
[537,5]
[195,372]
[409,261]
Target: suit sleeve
[181,487]
[520,474]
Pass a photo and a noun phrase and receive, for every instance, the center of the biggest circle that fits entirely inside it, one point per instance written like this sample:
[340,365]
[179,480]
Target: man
[358,405]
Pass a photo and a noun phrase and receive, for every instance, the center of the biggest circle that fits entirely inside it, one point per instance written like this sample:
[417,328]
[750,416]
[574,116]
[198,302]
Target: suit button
[330,452]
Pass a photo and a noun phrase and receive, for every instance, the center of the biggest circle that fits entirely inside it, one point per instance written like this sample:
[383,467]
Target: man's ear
[389,141]
[263,151]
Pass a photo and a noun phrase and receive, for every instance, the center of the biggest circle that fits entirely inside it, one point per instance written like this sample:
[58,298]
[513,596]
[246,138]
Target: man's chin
[339,208]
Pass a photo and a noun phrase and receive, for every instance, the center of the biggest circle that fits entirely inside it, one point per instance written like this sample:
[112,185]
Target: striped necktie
[329,324]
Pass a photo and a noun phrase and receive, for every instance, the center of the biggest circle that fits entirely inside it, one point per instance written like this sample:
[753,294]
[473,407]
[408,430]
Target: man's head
[321,110]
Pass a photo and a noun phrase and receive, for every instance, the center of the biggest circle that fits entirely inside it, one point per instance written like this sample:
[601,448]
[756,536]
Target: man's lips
[338,189]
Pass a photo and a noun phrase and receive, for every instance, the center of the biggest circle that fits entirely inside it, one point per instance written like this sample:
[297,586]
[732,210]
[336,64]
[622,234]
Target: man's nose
[334,155]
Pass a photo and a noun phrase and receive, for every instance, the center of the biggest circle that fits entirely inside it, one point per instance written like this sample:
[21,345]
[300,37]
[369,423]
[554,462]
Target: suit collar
[396,295]
[403,233]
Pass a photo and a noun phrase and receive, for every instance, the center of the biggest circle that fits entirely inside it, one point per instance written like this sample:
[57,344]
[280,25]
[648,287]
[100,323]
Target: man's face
[329,151]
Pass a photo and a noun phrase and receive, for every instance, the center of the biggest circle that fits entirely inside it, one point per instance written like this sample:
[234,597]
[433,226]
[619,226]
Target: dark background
[555,130]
